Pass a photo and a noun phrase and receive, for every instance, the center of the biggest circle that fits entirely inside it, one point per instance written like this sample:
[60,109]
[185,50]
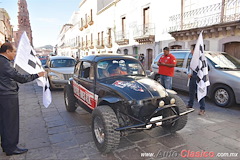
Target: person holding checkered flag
[198,75]
[9,102]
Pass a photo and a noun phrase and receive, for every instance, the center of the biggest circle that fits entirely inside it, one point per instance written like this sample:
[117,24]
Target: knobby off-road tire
[70,100]
[104,123]
[181,122]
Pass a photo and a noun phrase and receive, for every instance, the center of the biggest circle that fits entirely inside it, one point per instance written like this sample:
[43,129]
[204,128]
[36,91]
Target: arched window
[176,47]
[118,51]
[125,51]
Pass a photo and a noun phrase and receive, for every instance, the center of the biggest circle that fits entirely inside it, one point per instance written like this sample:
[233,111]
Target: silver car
[59,70]
[224,75]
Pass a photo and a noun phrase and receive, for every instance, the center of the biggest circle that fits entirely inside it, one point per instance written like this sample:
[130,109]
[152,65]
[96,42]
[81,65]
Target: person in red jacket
[166,64]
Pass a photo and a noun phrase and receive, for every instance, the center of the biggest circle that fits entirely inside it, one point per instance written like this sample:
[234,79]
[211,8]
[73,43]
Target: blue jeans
[192,92]
[166,81]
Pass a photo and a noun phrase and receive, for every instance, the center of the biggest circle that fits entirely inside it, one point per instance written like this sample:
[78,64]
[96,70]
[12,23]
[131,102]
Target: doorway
[232,48]
[149,58]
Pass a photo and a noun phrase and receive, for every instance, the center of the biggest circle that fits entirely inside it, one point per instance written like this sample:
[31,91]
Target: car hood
[234,73]
[136,88]
[63,70]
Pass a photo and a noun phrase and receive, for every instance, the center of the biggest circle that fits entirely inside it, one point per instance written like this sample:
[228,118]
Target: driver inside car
[115,70]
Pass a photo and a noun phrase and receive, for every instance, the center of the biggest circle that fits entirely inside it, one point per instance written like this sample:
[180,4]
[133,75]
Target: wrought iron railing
[120,35]
[108,41]
[144,30]
[206,16]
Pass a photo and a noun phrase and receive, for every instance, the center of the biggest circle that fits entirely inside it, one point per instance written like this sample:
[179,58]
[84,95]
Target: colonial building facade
[220,21]
[146,26]
[6,29]
[23,22]
[114,26]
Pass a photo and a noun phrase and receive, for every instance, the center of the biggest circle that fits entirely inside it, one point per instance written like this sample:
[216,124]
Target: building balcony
[209,15]
[99,44]
[230,28]
[122,38]
[85,24]
[108,42]
[91,46]
[90,20]
[83,46]
[80,25]
[144,33]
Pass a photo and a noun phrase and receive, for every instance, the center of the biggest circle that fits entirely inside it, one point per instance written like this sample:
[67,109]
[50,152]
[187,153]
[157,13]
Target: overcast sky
[46,17]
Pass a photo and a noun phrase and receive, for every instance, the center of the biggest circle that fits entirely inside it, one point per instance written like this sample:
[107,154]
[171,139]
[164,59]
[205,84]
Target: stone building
[147,26]
[219,19]
[6,29]
[23,22]
[113,26]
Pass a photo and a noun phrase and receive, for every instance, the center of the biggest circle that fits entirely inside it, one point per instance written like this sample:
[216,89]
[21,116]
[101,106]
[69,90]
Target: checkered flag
[27,60]
[199,65]
[47,97]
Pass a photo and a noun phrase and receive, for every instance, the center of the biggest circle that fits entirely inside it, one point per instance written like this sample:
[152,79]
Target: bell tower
[23,22]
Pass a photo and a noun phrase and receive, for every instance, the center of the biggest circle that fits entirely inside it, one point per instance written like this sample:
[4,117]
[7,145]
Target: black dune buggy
[122,100]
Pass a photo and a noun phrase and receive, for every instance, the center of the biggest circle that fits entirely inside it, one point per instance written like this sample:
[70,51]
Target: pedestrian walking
[166,64]
[141,58]
[9,103]
[77,59]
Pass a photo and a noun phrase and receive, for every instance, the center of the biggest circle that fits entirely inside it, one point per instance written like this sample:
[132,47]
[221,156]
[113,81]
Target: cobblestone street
[53,133]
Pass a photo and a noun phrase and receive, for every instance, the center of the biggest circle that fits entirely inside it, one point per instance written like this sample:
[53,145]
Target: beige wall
[5,26]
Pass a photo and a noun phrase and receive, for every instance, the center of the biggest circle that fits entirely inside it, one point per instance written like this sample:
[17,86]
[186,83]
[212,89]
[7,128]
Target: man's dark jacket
[9,77]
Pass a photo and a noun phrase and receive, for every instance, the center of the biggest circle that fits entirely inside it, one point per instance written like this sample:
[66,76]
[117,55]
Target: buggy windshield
[119,67]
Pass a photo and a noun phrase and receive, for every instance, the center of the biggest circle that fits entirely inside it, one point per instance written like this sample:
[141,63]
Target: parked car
[43,60]
[59,69]
[224,75]
[124,102]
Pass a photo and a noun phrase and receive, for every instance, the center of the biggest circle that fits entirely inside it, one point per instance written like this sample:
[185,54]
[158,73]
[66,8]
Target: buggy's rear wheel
[69,99]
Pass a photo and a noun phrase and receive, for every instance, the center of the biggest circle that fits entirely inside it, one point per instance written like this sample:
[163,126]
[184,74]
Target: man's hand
[160,64]
[41,74]
[189,75]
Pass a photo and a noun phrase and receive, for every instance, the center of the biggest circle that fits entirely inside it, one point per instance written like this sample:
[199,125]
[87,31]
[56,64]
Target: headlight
[56,77]
[161,103]
[172,101]
[140,102]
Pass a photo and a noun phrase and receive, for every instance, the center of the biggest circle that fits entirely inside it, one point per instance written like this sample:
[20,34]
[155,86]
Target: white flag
[27,60]
[199,65]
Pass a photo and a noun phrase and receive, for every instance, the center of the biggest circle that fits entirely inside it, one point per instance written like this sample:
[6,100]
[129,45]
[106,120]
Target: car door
[180,71]
[154,64]
[186,68]
[84,86]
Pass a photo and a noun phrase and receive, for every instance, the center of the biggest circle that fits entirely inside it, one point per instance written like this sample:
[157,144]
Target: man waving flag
[27,60]
[199,65]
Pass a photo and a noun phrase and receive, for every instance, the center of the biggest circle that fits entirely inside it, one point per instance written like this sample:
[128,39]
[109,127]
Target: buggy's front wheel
[180,123]
[104,123]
